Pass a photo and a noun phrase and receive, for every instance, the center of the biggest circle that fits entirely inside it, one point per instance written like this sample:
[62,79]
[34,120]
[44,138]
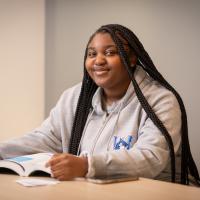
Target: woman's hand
[66,166]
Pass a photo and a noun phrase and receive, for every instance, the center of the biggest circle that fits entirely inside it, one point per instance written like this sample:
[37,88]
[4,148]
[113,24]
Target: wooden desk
[143,189]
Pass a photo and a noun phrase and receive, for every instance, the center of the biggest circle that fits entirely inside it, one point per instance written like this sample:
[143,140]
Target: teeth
[101,72]
[100,69]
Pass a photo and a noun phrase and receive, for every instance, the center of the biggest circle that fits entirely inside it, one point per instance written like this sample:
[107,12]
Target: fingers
[62,175]
[58,174]
[66,166]
[54,160]
[60,166]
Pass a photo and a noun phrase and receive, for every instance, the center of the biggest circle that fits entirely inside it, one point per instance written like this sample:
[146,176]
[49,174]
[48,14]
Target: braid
[84,103]
[89,87]
[83,107]
[144,102]
[187,162]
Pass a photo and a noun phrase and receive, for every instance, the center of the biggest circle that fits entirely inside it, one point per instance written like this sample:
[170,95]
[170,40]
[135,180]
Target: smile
[101,71]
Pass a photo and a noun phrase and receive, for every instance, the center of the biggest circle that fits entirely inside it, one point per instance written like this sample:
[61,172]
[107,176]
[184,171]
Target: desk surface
[142,189]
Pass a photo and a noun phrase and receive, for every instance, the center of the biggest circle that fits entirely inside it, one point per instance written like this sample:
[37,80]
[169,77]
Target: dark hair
[117,32]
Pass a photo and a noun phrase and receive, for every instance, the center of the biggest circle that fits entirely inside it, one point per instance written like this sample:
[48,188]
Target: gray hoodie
[120,140]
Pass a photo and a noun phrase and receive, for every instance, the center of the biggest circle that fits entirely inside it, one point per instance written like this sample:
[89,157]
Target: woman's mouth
[100,71]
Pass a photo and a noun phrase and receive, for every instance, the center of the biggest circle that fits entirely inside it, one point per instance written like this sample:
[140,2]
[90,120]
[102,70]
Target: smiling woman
[124,118]
[106,68]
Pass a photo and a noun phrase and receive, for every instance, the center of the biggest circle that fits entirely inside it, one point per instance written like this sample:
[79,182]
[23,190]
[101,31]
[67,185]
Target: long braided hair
[117,32]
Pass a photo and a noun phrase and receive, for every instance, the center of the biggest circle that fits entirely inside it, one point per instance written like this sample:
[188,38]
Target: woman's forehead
[104,40]
[101,38]
[106,35]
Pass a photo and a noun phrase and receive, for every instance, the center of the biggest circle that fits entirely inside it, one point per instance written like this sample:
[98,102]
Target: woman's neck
[110,95]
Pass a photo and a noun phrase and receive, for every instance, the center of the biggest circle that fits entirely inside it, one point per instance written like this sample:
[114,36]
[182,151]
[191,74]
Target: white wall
[169,30]
[21,66]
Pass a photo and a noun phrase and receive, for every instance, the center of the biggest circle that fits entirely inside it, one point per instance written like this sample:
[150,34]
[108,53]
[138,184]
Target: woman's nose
[100,59]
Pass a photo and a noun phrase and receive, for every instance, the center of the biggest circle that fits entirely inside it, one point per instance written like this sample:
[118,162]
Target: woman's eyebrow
[107,46]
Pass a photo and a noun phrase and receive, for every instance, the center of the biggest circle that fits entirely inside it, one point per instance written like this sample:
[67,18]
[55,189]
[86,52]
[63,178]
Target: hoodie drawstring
[114,128]
[88,120]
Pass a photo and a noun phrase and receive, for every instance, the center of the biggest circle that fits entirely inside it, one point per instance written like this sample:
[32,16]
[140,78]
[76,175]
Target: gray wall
[169,30]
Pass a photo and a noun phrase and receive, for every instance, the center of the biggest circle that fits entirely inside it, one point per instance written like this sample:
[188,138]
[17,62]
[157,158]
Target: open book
[27,164]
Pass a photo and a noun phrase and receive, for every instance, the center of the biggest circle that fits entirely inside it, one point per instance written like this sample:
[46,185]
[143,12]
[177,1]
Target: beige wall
[169,30]
[21,66]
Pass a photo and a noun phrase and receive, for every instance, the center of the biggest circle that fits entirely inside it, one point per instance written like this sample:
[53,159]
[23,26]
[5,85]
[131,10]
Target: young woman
[124,118]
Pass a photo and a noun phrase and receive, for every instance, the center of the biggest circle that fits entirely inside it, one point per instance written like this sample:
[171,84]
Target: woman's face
[104,65]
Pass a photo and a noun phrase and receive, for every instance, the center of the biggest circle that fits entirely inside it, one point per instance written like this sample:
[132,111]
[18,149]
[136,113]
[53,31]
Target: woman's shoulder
[150,87]
[74,90]
[156,93]
[70,95]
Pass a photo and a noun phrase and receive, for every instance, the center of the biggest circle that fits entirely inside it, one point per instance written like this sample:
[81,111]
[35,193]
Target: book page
[9,166]
[33,162]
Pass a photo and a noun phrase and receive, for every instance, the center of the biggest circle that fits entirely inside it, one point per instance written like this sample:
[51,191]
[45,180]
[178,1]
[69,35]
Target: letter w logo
[120,142]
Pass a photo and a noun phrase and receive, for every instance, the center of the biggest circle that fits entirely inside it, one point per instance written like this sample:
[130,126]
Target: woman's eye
[91,54]
[111,52]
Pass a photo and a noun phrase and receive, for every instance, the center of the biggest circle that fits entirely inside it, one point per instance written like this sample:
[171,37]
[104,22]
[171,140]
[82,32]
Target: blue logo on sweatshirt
[122,142]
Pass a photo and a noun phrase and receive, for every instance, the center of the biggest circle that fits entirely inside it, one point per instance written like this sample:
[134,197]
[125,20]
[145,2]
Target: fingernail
[47,164]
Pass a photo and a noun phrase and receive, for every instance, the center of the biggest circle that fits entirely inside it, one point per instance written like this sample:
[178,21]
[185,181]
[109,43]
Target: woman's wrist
[84,170]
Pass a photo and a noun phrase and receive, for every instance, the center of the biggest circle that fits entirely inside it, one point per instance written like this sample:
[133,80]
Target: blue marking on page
[20,159]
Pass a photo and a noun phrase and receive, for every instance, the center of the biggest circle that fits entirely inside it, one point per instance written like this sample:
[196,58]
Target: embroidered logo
[121,142]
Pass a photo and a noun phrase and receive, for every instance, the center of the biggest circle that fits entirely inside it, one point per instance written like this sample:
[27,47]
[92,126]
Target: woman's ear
[133,60]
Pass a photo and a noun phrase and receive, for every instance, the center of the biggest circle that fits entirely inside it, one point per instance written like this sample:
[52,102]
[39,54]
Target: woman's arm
[52,135]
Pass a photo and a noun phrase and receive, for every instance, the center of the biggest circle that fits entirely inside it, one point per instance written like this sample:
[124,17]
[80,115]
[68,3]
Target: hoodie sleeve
[53,134]
[149,156]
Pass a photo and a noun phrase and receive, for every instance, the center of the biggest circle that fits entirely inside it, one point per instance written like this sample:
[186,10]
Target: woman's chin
[102,84]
